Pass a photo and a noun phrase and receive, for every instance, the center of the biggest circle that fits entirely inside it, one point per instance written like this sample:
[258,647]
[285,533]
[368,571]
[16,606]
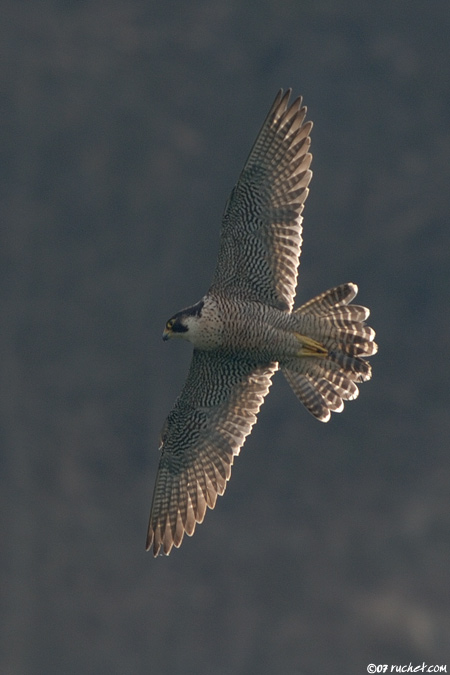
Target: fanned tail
[325,380]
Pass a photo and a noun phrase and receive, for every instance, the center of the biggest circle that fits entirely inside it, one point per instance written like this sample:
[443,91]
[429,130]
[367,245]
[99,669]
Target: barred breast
[263,331]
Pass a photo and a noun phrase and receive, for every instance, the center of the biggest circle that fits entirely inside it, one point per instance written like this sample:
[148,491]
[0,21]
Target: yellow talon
[310,347]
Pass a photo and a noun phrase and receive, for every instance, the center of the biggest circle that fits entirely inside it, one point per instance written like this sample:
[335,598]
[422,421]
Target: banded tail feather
[323,383]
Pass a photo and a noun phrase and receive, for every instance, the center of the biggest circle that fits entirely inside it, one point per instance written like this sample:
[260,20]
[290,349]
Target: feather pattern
[262,225]
[323,384]
[206,429]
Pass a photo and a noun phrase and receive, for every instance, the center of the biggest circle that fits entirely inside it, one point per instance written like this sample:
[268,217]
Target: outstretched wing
[262,224]
[205,430]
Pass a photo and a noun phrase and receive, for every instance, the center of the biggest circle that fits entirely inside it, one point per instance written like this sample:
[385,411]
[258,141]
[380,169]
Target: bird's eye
[169,324]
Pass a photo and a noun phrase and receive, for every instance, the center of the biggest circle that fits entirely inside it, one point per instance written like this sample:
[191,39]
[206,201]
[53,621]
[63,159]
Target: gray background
[125,125]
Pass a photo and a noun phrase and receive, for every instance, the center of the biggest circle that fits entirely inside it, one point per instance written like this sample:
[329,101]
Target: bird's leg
[310,347]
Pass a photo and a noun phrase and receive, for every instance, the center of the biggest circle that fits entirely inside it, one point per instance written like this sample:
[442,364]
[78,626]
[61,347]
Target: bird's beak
[166,334]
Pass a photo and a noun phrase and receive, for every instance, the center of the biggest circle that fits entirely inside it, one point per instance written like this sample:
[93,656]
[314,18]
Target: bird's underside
[245,328]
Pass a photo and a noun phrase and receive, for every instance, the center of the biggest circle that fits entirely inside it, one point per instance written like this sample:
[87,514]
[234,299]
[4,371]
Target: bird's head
[184,324]
[175,327]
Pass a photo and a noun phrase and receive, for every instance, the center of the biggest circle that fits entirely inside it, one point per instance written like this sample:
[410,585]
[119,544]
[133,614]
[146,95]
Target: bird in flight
[245,328]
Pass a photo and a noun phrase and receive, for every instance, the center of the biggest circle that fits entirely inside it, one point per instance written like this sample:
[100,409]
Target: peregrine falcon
[246,327]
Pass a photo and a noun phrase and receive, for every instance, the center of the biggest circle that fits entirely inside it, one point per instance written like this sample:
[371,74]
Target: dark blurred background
[125,126]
